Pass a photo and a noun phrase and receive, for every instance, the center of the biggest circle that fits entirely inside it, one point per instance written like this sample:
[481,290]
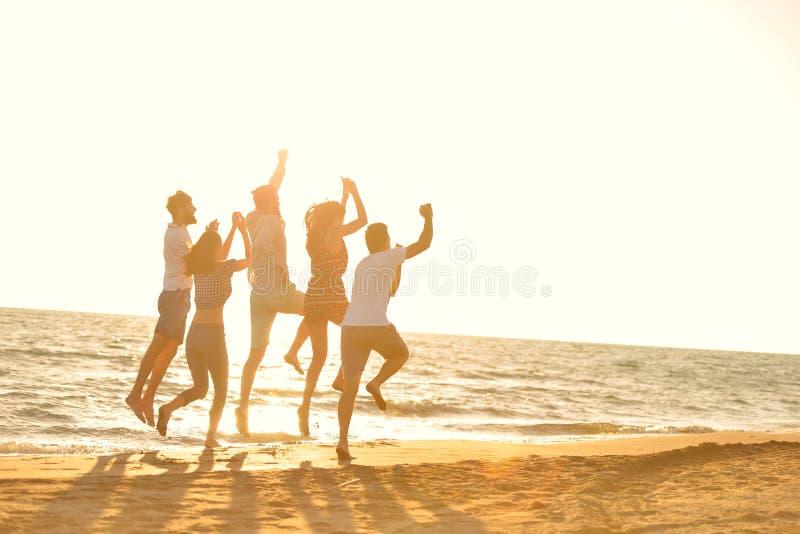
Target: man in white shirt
[365,327]
[173,307]
[271,290]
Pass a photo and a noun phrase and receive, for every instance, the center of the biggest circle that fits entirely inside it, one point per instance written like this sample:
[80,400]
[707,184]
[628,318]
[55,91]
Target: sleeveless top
[326,297]
[213,289]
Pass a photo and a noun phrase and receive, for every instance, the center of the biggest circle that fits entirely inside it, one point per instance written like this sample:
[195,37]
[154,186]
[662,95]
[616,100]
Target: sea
[64,377]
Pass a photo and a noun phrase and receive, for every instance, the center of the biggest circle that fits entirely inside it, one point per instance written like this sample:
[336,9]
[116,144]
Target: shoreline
[274,453]
[697,482]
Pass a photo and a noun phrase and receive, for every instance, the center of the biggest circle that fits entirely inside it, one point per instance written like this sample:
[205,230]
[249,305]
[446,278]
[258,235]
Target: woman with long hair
[206,352]
[326,300]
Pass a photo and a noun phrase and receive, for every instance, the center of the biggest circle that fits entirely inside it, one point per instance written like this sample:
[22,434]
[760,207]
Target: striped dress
[325,298]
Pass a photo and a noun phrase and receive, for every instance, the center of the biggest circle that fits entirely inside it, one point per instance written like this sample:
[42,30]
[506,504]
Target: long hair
[200,259]
[320,217]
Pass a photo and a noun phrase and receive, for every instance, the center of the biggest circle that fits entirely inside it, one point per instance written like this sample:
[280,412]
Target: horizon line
[604,343]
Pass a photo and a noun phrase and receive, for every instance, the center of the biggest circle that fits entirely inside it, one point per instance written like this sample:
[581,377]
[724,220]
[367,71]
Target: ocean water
[64,375]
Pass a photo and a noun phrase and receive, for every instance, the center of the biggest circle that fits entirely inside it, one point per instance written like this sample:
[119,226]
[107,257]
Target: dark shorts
[359,341]
[173,307]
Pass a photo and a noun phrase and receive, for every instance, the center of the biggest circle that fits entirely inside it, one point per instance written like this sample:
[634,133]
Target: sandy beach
[728,481]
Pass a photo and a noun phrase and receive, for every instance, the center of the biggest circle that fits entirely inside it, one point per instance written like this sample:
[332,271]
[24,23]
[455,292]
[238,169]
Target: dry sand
[717,482]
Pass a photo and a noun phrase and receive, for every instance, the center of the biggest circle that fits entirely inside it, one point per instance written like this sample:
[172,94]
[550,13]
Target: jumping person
[173,306]
[206,352]
[365,327]
[325,298]
[271,290]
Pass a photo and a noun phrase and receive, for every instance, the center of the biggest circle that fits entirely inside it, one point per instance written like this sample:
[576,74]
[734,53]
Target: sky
[628,168]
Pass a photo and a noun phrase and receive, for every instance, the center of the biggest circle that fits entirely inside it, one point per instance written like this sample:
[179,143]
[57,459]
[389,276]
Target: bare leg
[219,375]
[165,412]
[346,403]
[338,382]
[134,399]
[299,339]
[319,345]
[248,377]
[389,368]
[159,370]
[355,353]
[199,370]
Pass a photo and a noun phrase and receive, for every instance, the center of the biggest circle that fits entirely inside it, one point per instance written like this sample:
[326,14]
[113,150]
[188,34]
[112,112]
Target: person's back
[271,290]
[326,298]
[268,270]
[365,326]
[212,290]
[327,269]
[372,287]
[206,352]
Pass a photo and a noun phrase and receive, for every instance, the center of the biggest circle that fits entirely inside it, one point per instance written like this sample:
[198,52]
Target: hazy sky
[640,156]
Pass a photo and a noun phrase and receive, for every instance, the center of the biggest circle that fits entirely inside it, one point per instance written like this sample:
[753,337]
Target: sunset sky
[642,157]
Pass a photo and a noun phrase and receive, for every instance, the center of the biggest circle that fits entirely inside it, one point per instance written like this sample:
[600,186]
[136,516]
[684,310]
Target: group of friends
[363,321]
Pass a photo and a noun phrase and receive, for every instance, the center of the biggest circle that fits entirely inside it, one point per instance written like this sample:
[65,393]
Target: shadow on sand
[217,492]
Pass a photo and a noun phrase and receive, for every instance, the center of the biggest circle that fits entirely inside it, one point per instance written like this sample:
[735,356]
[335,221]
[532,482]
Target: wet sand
[693,483]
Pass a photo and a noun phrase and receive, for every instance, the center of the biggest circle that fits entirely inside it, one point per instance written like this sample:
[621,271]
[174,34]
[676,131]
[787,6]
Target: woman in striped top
[325,298]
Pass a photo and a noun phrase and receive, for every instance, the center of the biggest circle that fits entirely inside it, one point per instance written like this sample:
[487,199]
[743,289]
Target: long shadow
[339,504]
[439,508]
[306,483]
[380,500]
[243,509]
[101,481]
[316,494]
[147,503]
[138,508]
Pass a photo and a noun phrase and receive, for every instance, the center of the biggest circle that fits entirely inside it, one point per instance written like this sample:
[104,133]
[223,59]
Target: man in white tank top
[365,326]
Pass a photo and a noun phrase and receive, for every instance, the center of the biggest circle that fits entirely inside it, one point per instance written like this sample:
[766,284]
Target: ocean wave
[25,447]
[428,408]
[580,429]
[42,355]
[425,408]
[44,412]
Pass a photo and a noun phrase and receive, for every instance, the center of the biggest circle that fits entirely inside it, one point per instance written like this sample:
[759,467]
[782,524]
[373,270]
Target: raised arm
[240,225]
[280,170]
[349,188]
[426,236]
[226,246]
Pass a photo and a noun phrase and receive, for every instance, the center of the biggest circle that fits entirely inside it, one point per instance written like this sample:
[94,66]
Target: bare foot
[337,384]
[375,391]
[212,443]
[135,404]
[241,422]
[292,360]
[343,453]
[164,413]
[302,421]
[147,409]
